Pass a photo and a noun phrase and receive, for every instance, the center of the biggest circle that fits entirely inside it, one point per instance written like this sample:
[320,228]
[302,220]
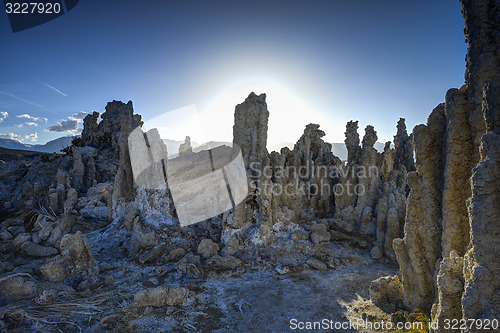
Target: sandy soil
[253,298]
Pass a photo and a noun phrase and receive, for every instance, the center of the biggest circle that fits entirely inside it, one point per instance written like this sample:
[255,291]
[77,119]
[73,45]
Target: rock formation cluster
[430,201]
[62,191]
[449,254]
[292,188]
[371,197]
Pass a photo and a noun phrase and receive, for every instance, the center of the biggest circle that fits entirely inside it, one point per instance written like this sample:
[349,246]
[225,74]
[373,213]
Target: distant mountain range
[338,149]
[53,146]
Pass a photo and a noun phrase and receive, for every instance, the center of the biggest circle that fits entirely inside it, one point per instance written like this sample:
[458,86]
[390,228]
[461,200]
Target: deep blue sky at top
[370,60]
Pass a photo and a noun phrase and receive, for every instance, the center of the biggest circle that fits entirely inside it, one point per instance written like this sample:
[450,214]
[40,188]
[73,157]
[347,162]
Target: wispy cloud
[3,115]
[33,137]
[27,116]
[53,88]
[27,123]
[26,101]
[11,136]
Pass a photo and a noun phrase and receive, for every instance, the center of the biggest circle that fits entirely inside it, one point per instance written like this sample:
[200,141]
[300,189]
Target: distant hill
[53,146]
[8,155]
[12,144]
[210,144]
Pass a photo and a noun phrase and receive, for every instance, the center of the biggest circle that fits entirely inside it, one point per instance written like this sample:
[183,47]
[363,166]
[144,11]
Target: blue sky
[318,61]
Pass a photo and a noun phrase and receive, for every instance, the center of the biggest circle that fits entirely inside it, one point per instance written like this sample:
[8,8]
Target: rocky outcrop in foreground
[449,254]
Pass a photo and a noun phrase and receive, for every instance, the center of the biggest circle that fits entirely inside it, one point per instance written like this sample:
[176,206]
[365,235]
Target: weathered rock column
[185,148]
[482,261]
[447,261]
[403,145]
[250,134]
[458,166]
[420,248]
[368,181]
[117,123]
[250,128]
[345,197]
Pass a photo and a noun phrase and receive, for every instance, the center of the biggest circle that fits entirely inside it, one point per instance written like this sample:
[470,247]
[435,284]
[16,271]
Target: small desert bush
[414,317]
[77,141]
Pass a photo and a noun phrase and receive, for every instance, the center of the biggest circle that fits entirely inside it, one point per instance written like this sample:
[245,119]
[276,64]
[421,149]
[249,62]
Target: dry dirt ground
[263,302]
[253,298]
[255,301]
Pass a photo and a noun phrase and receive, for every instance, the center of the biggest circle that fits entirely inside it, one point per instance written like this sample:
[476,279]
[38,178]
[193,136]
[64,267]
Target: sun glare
[213,121]
[288,114]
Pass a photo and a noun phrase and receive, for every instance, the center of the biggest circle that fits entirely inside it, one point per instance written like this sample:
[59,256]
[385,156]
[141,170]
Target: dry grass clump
[67,309]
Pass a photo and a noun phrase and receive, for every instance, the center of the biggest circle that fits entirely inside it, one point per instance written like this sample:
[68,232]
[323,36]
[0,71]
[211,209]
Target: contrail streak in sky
[55,89]
[26,101]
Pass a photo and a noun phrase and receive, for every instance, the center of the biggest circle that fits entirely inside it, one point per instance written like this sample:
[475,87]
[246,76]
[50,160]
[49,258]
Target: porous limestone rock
[452,212]
[148,193]
[450,283]
[161,296]
[224,263]
[17,286]
[250,127]
[90,128]
[250,134]
[185,148]
[142,236]
[457,171]
[21,239]
[75,263]
[319,233]
[370,198]
[483,62]
[387,160]
[376,253]
[423,214]
[120,121]
[5,235]
[36,250]
[482,262]
[78,168]
[208,248]
[117,119]
[293,185]
[403,145]
[352,143]
[385,292]
[369,182]
[316,264]
[299,235]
